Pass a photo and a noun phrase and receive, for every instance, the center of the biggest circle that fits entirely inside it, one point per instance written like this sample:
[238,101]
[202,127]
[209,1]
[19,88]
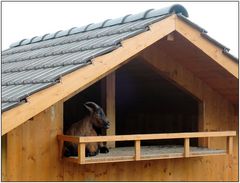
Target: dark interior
[74,109]
[147,103]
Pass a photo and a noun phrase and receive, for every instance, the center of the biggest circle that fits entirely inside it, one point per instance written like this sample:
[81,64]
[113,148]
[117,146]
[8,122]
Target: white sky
[28,19]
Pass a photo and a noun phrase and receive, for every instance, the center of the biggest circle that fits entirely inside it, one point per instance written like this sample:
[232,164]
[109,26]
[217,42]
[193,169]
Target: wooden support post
[230,145]
[110,106]
[186,147]
[137,150]
[81,153]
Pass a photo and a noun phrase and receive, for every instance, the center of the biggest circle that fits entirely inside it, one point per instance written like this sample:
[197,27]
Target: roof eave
[209,47]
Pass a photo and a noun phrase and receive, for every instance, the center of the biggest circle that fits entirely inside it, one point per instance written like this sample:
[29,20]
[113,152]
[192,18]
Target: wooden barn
[169,90]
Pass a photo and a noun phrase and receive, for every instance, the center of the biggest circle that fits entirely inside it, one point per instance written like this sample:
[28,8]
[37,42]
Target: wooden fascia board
[100,67]
[209,48]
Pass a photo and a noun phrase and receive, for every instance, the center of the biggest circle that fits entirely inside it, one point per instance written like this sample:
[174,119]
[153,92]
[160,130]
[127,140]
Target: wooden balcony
[139,152]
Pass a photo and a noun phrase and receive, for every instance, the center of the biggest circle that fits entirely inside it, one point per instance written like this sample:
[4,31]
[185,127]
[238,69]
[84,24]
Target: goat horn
[92,105]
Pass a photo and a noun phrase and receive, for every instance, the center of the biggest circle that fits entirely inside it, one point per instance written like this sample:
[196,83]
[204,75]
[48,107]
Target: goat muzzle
[106,125]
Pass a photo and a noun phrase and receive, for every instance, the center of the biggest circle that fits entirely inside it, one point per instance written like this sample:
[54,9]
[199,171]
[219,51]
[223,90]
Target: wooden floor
[150,152]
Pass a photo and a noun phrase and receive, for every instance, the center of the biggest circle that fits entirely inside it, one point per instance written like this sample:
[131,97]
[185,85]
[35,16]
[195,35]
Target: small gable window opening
[137,113]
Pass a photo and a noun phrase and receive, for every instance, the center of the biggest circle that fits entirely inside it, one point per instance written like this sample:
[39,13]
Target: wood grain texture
[186,147]
[137,150]
[35,142]
[216,53]
[110,106]
[81,153]
[218,111]
[156,136]
[4,157]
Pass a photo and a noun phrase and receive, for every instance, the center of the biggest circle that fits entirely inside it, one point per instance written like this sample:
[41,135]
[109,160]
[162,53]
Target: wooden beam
[209,48]
[147,154]
[137,150]
[68,138]
[81,153]
[155,136]
[110,106]
[186,147]
[230,145]
[167,67]
[100,67]
[89,139]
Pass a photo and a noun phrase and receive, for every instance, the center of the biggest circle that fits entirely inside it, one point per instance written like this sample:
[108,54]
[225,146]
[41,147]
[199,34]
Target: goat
[91,125]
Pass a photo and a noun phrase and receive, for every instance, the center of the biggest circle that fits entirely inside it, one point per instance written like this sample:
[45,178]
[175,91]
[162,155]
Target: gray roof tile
[112,22]
[8,105]
[33,64]
[19,92]
[135,17]
[37,39]
[62,33]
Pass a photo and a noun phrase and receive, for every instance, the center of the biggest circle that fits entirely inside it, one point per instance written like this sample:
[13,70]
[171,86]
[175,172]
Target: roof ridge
[150,13]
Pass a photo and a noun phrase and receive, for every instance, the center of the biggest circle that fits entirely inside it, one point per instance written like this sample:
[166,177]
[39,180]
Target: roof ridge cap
[150,13]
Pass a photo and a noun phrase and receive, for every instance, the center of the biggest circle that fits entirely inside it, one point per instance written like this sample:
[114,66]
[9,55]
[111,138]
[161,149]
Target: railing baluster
[137,150]
[230,145]
[81,153]
[186,147]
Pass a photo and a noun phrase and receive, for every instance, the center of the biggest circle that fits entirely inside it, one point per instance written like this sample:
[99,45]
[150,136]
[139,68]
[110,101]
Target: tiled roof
[33,64]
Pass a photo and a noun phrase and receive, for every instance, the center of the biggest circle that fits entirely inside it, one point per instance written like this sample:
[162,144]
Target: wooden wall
[32,149]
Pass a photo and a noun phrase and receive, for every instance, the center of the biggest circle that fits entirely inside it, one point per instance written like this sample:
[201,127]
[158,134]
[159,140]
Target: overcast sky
[28,19]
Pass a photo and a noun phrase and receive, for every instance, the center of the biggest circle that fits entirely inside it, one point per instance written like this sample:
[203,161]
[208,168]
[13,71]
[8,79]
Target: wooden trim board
[209,48]
[156,136]
[149,154]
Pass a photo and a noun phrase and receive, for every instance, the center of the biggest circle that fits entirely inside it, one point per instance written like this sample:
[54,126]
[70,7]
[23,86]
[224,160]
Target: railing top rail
[147,136]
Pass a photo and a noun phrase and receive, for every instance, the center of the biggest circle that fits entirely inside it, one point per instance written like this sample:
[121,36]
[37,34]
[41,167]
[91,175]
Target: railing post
[186,147]
[81,153]
[230,145]
[137,150]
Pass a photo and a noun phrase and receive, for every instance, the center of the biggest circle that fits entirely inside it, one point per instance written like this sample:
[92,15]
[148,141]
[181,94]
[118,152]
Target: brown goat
[88,126]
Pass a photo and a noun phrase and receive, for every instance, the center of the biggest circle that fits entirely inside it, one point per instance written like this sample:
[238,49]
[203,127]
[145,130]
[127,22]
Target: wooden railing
[81,141]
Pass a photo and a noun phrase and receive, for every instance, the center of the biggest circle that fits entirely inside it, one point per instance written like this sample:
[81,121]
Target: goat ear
[88,108]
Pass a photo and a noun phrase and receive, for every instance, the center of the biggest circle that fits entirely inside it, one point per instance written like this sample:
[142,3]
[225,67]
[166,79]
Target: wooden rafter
[209,48]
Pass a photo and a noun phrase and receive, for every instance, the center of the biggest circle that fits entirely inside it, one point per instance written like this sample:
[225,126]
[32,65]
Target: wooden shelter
[169,90]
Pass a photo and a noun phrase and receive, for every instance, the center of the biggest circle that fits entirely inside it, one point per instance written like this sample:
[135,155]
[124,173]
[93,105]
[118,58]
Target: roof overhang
[105,64]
